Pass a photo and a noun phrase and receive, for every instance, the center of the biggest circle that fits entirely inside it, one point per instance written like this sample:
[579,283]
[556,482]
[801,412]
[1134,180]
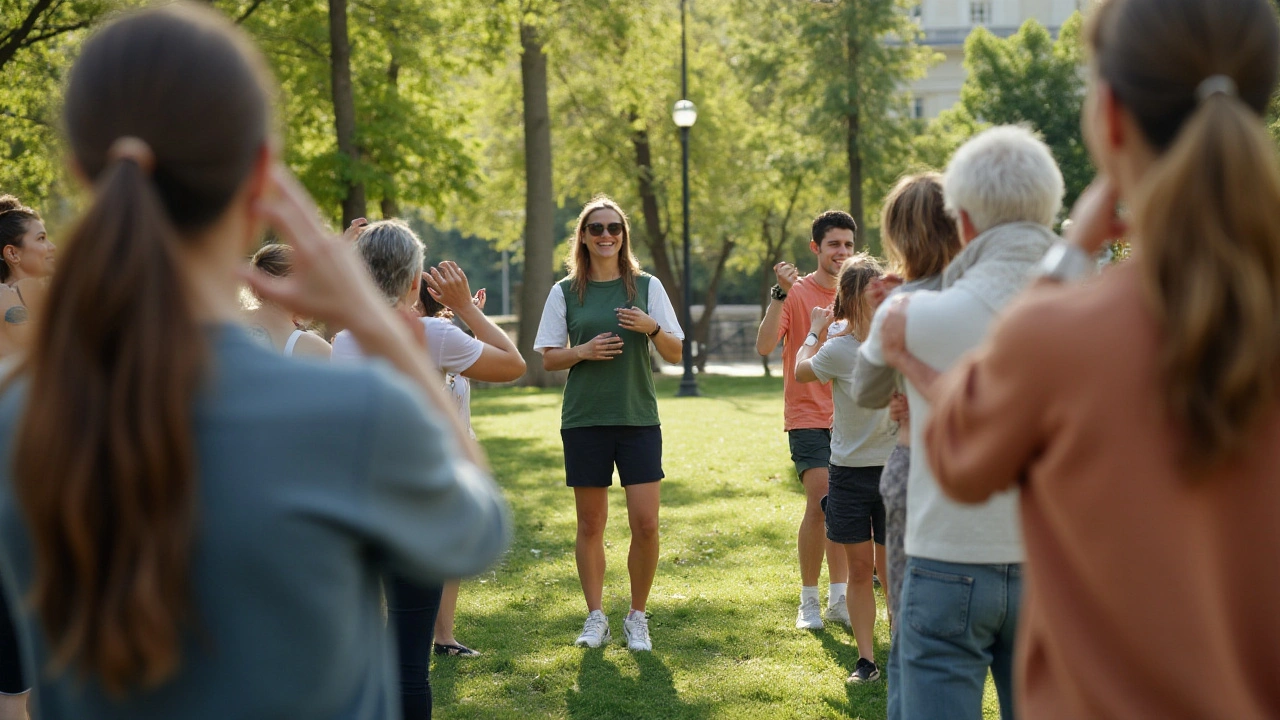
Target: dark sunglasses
[597,229]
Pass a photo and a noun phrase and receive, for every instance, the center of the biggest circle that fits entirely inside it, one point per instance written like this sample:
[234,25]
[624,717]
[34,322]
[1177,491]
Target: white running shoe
[595,631]
[810,615]
[636,629]
[838,612]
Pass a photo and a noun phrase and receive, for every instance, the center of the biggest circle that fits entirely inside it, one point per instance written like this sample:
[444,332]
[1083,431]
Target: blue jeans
[957,621]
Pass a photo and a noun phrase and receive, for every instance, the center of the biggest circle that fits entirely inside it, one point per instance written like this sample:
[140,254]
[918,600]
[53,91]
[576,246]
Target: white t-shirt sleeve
[553,330]
[345,348]
[660,309]
[454,350]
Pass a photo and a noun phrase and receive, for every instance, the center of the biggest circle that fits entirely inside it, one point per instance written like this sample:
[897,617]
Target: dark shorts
[854,510]
[590,454]
[810,448]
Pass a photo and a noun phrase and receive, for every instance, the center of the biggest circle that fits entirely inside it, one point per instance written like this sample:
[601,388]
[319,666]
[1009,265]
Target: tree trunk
[539,207]
[344,111]
[702,328]
[390,202]
[655,237]
[853,130]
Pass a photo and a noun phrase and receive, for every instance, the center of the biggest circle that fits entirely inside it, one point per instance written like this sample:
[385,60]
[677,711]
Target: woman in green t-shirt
[597,324]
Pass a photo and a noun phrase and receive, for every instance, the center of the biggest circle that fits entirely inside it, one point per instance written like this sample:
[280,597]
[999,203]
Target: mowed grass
[724,601]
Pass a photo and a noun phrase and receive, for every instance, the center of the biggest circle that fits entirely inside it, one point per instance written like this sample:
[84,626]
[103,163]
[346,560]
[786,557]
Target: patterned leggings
[893,488]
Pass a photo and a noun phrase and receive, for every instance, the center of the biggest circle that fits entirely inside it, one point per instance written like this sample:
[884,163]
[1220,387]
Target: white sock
[808,591]
[635,612]
[837,589]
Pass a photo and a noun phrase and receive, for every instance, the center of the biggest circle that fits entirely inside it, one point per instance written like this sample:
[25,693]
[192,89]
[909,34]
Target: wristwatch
[777,293]
[1066,261]
[656,329]
[811,339]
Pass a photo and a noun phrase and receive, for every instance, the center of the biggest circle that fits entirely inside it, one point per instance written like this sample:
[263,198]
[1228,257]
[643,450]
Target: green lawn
[723,605]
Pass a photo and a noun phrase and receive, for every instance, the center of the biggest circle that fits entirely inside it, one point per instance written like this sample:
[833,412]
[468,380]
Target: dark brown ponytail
[106,460]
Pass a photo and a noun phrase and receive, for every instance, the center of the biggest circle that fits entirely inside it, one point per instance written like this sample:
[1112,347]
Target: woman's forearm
[554,359]
[670,347]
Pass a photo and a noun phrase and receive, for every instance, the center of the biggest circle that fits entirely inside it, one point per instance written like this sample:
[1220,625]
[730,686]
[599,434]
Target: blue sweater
[313,480]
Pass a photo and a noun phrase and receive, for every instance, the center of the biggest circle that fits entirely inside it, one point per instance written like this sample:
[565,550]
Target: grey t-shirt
[313,481]
[861,437]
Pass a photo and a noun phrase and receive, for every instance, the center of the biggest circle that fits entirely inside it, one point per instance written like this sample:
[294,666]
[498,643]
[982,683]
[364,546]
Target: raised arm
[329,283]
[500,360]
[767,336]
[819,320]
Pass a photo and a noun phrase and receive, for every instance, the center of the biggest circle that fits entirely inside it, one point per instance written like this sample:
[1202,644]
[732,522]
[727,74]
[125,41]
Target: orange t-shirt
[807,405]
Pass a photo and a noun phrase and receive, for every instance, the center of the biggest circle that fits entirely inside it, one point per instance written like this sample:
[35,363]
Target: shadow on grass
[602,691]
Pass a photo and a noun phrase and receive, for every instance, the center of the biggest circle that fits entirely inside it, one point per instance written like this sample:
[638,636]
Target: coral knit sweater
[1147,595]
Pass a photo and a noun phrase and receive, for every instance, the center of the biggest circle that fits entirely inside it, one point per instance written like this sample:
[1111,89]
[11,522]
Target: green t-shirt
[608,392]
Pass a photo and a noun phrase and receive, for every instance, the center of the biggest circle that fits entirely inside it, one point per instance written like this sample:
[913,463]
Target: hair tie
[1216,85]
[135,150]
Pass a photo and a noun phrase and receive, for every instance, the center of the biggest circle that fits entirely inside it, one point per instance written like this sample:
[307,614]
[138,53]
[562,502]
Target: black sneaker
[864,672]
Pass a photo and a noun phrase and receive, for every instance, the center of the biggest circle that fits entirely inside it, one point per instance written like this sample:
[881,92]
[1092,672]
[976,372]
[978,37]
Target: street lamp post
[685,115]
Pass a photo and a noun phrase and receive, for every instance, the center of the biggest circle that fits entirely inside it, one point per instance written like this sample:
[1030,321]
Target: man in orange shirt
[808,409]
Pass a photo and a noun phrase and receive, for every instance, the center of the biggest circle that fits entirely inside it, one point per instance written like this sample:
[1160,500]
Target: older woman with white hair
[393,253]
[963,581]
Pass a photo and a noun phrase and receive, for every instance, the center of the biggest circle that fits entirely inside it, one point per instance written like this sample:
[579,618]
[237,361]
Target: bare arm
[603,347]
[668,345]
[329,283]
[767,335]
[500,361]
[820,320]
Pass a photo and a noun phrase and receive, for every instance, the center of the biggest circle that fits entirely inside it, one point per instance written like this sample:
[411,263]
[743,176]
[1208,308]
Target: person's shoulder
[310,344]
[1064,315]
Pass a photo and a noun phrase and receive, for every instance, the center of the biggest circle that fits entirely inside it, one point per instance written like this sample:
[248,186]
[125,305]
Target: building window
[917,12]
[917,109]
[980,12]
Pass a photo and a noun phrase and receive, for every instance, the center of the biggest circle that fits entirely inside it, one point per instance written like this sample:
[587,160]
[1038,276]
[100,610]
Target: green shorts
[810,448]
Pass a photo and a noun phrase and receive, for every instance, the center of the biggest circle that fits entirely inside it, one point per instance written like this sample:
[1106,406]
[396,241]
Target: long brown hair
[850,304]
[580,257]
[105,464]
[15,219]
[1207,212]
[920,238]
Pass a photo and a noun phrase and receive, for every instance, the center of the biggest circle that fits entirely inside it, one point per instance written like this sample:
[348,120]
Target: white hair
[1002,175]
[393,254]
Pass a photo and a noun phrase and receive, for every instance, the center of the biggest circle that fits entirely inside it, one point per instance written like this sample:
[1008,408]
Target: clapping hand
[605,346]
[448,285]
[787,275]
[879,289]
[632,318]
[328,281]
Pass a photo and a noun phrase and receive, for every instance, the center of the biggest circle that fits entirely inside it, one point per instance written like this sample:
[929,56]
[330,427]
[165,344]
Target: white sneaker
[636,629]
[595,631]
[810,615]
[838,612]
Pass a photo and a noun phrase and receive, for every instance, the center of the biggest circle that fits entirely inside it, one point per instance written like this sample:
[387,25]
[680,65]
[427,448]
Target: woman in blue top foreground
[196,526]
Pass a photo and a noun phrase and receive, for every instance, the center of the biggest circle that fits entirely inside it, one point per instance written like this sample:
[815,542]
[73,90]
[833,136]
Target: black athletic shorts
[590,454]
[853,506]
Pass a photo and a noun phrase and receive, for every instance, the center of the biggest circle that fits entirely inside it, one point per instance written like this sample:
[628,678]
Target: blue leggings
[411,611]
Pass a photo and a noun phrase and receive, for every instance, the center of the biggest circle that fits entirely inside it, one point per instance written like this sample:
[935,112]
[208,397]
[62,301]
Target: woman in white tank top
[273,325]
